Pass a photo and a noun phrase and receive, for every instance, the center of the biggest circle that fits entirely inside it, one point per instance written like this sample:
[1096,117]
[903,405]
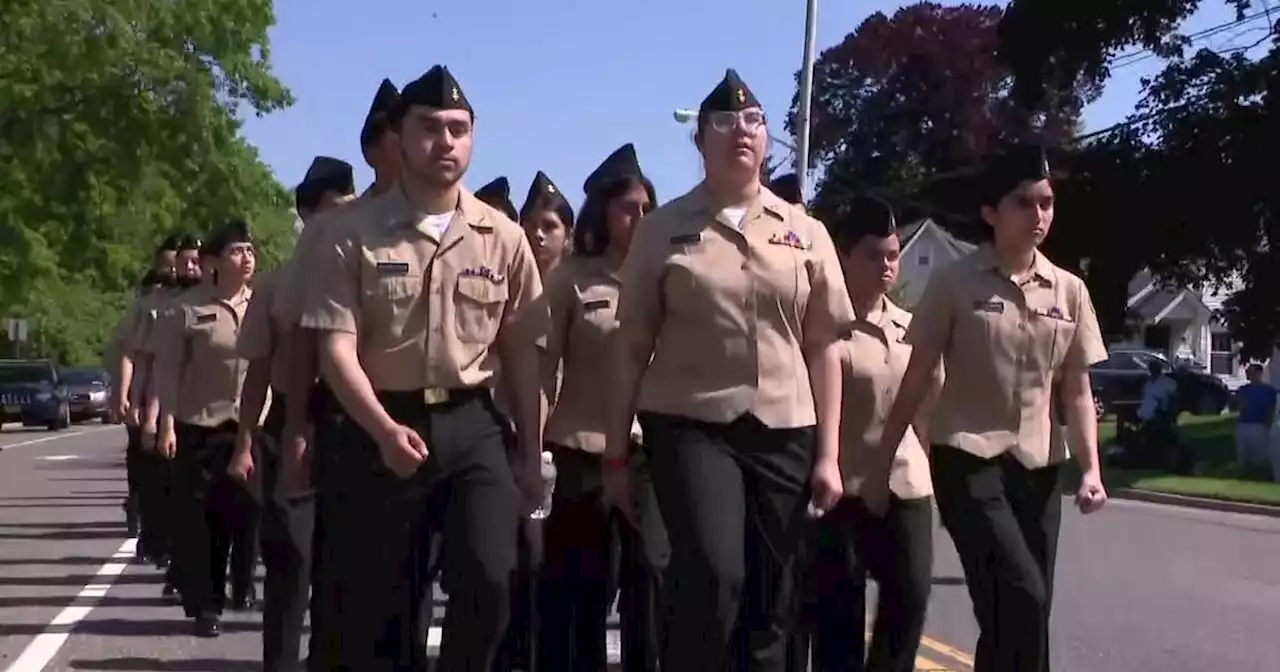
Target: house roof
[1152,303]
[909,233]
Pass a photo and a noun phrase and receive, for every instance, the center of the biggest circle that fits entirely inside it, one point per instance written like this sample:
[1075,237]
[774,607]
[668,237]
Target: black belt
[432,397]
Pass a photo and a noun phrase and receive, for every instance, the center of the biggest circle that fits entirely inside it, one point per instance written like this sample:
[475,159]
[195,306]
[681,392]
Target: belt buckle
[432,396]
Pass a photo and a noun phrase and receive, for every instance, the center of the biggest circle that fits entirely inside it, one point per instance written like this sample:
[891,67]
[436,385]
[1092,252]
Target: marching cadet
[1016,333]
[312,416]
[428,290]
[157,495]
[898,549]
[378,142]
[577,586]
[128,384]
[547,219]
[497,194]
[199,380]
[729,316]
[289,502]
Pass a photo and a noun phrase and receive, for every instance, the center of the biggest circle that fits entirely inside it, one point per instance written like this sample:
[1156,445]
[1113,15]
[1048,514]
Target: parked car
[1118,381]
[31,392]
[88,391]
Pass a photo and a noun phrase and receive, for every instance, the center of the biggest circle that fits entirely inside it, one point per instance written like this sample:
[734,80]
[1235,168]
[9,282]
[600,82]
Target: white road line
[55,437]
[613,644]
[45,646]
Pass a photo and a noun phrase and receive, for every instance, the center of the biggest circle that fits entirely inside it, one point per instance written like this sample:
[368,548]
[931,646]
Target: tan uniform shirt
[873,360]
[1003,344]
[152,309]
[583,295]
[261,333]
[731,310]
[200,346]
[427,312]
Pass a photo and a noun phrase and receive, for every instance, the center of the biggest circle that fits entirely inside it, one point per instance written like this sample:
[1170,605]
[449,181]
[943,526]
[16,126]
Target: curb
[1204,503]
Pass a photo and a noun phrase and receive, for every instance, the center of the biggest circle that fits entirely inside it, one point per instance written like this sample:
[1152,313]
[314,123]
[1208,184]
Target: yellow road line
[947,650]
[925,665]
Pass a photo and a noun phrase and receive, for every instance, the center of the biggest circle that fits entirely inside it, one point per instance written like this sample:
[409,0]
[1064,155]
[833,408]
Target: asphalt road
[1140,587]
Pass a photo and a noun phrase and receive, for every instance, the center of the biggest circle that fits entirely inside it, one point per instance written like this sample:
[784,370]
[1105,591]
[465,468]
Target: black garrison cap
[621,163]
[1012,165]
[730,95]
[497,194]
[378,120]
[170,242]
[231,233]
[543,187]
[863,216]
[149,279]
[435,88]
[329,174]
[190,242]
[787,187]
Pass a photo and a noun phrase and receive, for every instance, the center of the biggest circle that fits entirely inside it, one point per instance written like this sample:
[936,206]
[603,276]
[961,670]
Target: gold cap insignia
[742,96]
[454,94]
[551,188]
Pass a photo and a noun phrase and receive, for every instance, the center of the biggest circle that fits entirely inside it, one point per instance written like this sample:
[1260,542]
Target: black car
[88,391]
[1118,381]
[31,392]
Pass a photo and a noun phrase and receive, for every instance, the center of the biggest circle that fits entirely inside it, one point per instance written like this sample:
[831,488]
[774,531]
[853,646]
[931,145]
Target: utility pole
[806,92]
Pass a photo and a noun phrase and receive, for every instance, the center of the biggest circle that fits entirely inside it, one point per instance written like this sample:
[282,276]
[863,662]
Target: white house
[1183,324]
[925,247]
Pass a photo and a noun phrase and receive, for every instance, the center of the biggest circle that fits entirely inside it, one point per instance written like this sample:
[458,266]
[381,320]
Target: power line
[1135,57]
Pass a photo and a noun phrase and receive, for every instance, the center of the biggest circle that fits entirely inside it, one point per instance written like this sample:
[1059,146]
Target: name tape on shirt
[206,318]
[393,268]
[686,239]
[596,304]
[994,306]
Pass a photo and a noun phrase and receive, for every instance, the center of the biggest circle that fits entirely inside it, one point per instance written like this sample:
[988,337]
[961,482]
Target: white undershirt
[436,225]
[733,217]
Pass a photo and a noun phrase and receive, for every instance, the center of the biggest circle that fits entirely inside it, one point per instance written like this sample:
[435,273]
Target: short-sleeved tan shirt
[427,312]
[873,360]
[261,332]
[199,353]
[729,311]
[1003,344]
[583,296]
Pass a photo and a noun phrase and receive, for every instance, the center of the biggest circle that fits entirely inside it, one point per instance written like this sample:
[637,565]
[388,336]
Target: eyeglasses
[723,121]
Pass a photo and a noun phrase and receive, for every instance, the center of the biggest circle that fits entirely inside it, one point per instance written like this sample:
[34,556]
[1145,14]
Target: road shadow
[156,665]
[80,580]
[949,581]
[68,525]
[64,505]
[70,535]
[117,627]
[68,560]
[73,495]
[88,479]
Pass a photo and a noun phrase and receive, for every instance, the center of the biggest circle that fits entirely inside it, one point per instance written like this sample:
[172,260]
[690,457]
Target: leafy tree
[121,125]
[905,98]
[1182,187]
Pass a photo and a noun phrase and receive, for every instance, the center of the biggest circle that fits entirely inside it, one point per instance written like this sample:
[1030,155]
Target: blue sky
[558,84]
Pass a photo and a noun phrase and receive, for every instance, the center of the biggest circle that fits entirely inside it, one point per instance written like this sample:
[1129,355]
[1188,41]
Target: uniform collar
[886,312]
[1042,270]
[472,213]
[765,202]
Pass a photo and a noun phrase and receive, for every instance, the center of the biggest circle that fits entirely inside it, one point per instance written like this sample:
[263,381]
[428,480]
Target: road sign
[17,329]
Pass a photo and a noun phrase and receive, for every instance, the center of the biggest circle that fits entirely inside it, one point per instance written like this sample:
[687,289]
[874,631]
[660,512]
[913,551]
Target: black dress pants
[288,518]
[897,551]
[214,515]
[645,553]
[1004,520]
[379,539]
[734,499]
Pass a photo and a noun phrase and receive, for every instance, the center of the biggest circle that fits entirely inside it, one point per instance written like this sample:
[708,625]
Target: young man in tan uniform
[288,498]
[898,549]
[428,289]
[730,313]
[1018,335]
[199,379]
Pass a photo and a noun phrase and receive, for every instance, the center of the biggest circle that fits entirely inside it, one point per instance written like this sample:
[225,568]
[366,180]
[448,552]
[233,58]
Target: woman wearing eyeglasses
[730,312]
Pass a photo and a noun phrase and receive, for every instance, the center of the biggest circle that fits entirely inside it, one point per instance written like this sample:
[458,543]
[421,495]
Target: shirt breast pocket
[1064,333]
[478,308]
[388,298]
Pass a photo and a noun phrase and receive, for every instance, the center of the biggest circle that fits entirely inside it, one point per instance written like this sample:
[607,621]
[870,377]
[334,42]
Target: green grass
[1217,476]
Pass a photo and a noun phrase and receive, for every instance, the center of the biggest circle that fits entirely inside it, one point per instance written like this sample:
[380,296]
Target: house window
[922,259]
[1222,358]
